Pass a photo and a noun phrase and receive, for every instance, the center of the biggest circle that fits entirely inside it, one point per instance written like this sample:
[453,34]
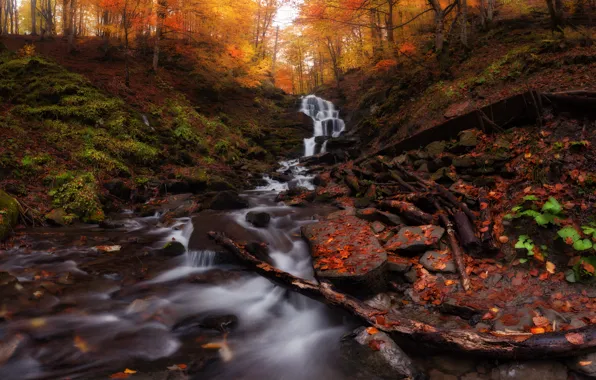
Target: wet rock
[377,227]
[7,280]
[411,276]
[435,148]
[375,352]
[435,374]
[280,177]
[59,217]
[532,370]
[331,191]
[227,200]
[385,236]
[438,261]
[118,189]
[259,250]
[110,225]
[584,364]
[173,248]
[346,252]
[577,323]
[375,215]
[258,219]
[453,365]
[220,322]
[463,162]
[66,278]
[371,192]
[398,264]
[469,138]
[381,301]
[214,277]
[320,180]
[411,240]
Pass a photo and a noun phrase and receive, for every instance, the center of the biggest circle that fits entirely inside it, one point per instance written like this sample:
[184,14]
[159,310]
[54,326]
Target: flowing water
[326,123]
[107,320]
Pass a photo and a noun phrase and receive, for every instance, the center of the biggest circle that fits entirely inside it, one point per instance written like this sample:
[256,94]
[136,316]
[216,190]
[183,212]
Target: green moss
[102,160]
[9,214]
[79,197]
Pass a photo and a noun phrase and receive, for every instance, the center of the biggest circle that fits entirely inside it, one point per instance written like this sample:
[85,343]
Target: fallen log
[408,211]
[465,231]
[497,344]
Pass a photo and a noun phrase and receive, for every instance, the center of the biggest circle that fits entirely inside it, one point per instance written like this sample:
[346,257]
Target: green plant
[78,196]
[524,242]
[572,237]
[550,213]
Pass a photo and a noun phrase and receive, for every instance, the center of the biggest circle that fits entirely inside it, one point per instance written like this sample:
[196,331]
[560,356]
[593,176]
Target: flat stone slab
[438,261]
[415,239]
[346,252]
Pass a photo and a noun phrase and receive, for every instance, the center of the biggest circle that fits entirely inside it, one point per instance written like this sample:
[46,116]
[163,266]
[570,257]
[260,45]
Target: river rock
[258,219]
[227,200]
[435,148]
[346,252]
[9,214]
[469,138]
[375,215]
[398,264]
[377,227]
[59,217]
[410,240]
[438,261]
[584,364]
[173,248]
[373,351]
[220,322]
[532,370]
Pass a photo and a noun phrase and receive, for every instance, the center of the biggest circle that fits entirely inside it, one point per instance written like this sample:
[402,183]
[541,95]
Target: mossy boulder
[173,248]
[9,214]
[59,217]
[78,197]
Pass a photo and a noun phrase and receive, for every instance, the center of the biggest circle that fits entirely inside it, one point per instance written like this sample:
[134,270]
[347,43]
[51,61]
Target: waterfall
[326,123]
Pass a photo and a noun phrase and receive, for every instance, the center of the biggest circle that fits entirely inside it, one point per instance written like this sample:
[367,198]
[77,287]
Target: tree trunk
[464,22]
[503,345]
[72,26]
[161,15]
[389,26]
[33,17]
[274,60]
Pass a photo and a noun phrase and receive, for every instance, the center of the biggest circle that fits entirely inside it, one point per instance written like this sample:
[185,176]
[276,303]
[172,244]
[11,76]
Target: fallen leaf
[550,267]
[503,239]
[537,330]
[575,338]
[119,375]
[213,345]
[584,363]
[81,344]
[375,344]
[372,330]
[37,322]
[108,248]
[130,371]
[182,366]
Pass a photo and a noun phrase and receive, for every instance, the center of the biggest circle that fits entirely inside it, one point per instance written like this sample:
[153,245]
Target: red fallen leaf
[375,344]
[182,366]
[543,277]
[487,316]
[380,319]
[588,267]
[372,330]
[575,338]
[119,375]
[484,229]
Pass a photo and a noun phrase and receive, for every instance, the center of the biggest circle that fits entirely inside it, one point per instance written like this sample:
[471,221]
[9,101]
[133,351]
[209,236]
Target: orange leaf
[550,267]
[119,375]
[537,330]
[372,330]
[585,363]
[575,338]
[503,239]
[81,344]
[182,366]
[483,205]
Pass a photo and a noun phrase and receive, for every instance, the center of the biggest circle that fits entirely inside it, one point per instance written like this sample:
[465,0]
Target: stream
[86,323]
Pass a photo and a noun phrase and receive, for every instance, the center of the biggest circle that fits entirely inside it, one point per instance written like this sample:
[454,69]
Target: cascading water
[280,334]
[326,123]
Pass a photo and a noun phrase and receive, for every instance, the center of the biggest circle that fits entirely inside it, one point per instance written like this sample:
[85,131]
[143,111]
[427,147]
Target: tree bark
[161,15]
[501,345]
[72,26]
[33,17]
[464,22]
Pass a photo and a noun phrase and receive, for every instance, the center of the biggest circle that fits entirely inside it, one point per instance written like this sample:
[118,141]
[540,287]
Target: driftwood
[407,210]
[497,344]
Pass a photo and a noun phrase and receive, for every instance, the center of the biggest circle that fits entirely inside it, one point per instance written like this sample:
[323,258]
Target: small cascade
[200,258]
[326,123]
